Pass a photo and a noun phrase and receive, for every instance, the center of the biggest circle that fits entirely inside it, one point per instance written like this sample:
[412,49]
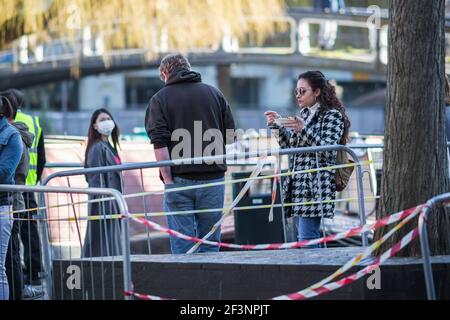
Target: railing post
[425,246]
[123,210]
[126,251]
[359,182]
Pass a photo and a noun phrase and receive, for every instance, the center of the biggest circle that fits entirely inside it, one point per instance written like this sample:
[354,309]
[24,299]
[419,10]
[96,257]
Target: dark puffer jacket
[22,169]
[10,154]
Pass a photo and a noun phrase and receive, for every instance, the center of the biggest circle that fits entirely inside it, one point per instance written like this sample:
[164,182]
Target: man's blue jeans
[308,229]
[193,224]
[6,223]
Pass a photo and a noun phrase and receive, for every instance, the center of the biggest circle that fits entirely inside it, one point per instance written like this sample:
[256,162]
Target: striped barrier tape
[213,184]
[228,211]
[352,278]
[326,288]
[276,180]
[244,208]
[163,214]
[143,296]
[401,216]
[206,185]
[355,261]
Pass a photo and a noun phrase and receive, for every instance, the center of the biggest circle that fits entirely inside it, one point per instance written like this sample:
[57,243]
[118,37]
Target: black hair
[94,135]
[6,107]
[19,96]
[328,99]
[14,99]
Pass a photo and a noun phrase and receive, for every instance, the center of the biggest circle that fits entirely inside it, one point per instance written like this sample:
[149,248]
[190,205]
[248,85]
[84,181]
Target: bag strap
[341,142]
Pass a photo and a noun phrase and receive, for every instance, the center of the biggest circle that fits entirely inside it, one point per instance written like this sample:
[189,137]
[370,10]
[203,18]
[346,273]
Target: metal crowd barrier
[54,267]
[424,244]
[146,200]
[235,157]
[70,278]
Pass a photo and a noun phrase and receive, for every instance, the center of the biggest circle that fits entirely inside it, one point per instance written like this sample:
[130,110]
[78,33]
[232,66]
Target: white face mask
[106,127]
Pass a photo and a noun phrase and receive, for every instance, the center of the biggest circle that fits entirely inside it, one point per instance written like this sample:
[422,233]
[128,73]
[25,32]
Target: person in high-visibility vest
[10,155]
[29,230]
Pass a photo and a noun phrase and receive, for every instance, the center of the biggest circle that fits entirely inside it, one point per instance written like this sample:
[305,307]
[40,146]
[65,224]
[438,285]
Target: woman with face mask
[102,236]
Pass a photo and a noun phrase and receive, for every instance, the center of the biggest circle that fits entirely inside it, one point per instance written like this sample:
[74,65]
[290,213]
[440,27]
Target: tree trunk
[415,158]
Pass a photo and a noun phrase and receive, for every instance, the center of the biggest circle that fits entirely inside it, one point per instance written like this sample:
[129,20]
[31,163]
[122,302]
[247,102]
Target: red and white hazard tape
[276,180]
[248,184]
[352,278]
[355,261]
[323,286]
[330,286]
[143,296]
[291,245]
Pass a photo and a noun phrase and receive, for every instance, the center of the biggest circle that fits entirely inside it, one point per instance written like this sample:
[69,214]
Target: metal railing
[231,157]
[42,220]
[424,244]
[87,42]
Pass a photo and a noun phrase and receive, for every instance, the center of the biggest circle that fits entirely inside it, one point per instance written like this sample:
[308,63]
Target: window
[245,92]
[49,97]
[354,90]
[139,91]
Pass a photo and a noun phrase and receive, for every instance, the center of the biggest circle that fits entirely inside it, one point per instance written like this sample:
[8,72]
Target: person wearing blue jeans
[6,223]
[10,154]
[323,121]
[190,119]
[194,224]
[308,229]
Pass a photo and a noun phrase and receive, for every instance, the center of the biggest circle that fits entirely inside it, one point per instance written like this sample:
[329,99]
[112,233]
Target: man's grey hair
[173,61]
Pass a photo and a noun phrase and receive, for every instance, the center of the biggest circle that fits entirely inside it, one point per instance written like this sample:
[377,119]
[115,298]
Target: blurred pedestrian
[13,261]
[329,28]
[29,233]
[10,154]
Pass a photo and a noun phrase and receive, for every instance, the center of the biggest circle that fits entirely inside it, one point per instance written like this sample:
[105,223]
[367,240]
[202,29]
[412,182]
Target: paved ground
[330,256]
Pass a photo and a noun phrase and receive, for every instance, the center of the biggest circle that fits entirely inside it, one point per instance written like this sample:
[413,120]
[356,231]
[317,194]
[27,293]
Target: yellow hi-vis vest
[34,127]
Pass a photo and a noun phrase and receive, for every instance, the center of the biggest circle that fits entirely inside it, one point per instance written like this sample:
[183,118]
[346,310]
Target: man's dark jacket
[183,101]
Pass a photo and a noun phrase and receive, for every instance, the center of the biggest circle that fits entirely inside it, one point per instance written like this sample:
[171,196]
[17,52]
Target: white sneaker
[32,292]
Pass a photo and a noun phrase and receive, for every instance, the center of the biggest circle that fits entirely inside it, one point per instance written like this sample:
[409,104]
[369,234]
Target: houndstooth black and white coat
[325,128]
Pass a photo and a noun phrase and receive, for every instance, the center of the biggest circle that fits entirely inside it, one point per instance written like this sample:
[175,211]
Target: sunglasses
[300,92]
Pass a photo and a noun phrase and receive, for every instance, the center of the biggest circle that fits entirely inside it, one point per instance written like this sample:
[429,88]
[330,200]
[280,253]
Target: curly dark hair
[328,99]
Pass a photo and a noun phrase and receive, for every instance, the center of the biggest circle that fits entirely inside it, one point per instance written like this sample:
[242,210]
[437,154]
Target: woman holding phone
[323,121]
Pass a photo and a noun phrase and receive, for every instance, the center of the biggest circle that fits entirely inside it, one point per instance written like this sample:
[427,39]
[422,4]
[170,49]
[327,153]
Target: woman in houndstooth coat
[322,121]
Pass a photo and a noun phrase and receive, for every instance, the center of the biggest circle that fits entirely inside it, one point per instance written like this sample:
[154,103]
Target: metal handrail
[424,244]
[246,155]
[293,15]
[52,165]
[123,210]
